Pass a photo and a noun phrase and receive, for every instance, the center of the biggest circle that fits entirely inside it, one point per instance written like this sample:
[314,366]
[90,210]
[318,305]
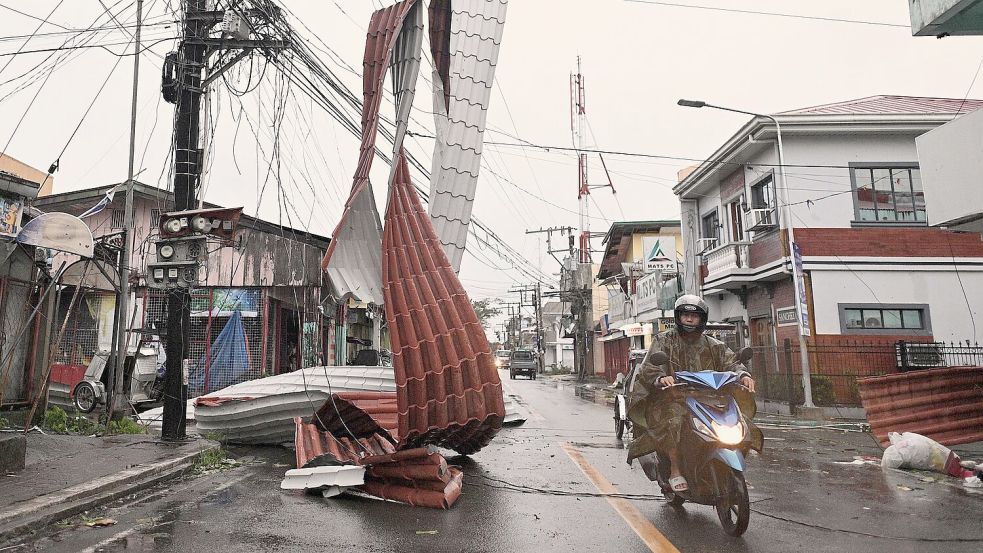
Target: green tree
[485,311]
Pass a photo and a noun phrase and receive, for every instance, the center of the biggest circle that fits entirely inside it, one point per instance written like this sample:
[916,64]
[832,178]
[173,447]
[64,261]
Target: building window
[888,194]
[763,197]
[735,211]
[884,319]
[710,227]
[154,218]
[116,219]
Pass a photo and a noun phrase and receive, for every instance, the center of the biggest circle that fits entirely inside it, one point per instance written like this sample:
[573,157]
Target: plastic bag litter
[973,482]
[914,451]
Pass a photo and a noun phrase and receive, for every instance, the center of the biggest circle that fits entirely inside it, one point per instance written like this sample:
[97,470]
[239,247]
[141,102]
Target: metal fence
[835,367]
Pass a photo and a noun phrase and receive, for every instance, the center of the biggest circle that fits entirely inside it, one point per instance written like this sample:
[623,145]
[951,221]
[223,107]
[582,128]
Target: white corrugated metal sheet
[355,265]
[262,411]
[329,481]
[476,35]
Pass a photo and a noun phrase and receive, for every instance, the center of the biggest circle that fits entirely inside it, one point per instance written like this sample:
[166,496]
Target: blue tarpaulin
[227,360]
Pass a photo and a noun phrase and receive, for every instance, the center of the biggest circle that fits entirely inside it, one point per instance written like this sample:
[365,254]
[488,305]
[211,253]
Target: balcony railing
[726,258]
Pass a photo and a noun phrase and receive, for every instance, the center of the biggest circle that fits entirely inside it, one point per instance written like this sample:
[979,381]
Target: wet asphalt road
[529,491]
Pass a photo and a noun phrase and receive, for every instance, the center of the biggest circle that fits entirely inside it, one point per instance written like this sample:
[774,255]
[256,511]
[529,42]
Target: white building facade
[874,269]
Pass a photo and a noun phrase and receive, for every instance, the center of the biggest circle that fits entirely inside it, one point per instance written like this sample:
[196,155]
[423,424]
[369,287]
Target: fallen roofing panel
[330,480]
[261,411]
[448,389]
[353,258]
[418,476]
[462,91]
[943,404]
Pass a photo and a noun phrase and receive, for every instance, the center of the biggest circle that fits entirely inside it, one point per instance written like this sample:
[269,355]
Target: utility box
[234,26]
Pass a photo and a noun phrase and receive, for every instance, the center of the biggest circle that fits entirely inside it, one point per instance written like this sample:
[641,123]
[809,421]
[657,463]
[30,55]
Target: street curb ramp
[32,515]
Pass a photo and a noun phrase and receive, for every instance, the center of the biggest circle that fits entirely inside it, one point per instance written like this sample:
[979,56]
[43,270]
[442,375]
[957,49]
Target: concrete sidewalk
[67,474]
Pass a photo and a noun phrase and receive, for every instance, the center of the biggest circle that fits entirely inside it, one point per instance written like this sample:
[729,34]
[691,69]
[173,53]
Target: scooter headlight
[702,428]
[730,435]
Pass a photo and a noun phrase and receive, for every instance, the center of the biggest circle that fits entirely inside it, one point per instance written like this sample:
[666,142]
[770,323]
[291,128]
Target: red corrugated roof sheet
[892,105]
[448,389]
[418,476]
[440,43]
[360,413]
[943,404]
[448,392]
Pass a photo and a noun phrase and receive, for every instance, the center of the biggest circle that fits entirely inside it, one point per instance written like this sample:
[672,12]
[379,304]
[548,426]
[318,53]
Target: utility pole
[536,304]
[191,61]
[116,392]
[549,238]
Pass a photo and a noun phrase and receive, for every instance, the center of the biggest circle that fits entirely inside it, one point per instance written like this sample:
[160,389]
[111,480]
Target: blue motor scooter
[713,445]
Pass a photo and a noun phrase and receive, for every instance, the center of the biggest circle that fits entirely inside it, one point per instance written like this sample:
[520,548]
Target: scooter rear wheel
[734,508]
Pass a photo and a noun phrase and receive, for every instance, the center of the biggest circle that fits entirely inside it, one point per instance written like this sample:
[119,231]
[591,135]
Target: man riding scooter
[657,415]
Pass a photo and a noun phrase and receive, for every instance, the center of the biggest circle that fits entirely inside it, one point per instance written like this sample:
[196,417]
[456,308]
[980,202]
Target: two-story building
[640,271]
[874,271]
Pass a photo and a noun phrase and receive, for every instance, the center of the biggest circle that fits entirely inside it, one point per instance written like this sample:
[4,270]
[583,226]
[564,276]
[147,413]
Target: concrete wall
[949,310]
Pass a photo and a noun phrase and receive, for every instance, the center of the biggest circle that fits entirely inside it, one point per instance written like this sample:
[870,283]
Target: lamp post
[790,233]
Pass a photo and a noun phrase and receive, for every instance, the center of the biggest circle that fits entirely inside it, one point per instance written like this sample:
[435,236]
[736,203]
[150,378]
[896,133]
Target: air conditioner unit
[704,245]
[761,219]
[913,356]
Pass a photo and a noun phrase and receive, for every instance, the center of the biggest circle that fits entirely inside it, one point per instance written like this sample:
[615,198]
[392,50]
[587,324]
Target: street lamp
[790,233]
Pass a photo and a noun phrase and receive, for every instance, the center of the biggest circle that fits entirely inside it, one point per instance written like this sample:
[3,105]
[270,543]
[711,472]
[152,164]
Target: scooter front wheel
[734,507]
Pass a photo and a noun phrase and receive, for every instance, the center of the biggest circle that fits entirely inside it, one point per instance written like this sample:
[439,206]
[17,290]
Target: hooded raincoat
[658,415]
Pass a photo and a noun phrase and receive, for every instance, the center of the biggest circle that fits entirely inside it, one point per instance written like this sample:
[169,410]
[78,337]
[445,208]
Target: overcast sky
[638,59]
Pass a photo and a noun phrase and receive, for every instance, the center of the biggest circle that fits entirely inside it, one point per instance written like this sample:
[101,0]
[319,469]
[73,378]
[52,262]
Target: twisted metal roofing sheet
[943,404]
[359,413]
[892,105]
[418,476]
[447,387]
[353,259]
[461,96]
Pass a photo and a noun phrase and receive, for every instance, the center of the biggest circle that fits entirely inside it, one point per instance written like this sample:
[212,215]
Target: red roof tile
[892,105]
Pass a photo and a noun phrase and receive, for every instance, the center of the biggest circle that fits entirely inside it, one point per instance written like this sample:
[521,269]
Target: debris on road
[98,522]
[972,482]
[914,451]
[859,460]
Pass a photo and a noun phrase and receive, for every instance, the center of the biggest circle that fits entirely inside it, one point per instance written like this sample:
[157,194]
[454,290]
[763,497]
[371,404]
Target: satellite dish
[58,231]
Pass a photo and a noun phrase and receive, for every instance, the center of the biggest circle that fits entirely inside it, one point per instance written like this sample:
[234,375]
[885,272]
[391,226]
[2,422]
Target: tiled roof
[892,105]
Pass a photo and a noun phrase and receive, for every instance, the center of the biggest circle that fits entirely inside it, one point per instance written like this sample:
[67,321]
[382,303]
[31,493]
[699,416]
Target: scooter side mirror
[745,355]
[658,358]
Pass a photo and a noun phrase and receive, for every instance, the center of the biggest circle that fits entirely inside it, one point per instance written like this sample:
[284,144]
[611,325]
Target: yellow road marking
[645,530]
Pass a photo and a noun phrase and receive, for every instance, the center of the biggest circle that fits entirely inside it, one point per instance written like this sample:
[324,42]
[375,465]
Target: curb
[44,510]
